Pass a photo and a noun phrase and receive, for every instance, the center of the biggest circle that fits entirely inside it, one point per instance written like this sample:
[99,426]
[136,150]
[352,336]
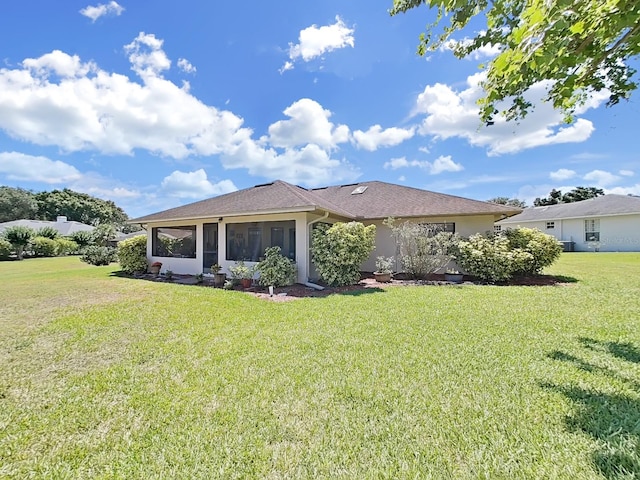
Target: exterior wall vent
[359,190]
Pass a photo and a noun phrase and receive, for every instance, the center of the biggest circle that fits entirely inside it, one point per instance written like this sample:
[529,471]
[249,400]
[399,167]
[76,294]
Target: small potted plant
[384,269]
[242,273]
[452,275]
[218,278]
[155,267]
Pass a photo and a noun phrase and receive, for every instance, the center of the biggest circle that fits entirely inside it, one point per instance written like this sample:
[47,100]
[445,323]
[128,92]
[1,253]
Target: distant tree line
[555,196]
[18,204]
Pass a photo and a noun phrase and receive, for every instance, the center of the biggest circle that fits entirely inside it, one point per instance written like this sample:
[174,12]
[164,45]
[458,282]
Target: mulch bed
[366,285]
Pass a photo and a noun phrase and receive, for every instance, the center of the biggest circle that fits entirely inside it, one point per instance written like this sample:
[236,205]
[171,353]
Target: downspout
[309,284]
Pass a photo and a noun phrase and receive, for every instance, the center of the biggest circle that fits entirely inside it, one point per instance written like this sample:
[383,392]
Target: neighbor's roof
[377,200]
[64,228]
[594,207]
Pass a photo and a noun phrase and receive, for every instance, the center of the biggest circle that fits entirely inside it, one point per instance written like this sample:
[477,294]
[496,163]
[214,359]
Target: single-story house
[62,225]
[242,224]
[609,223]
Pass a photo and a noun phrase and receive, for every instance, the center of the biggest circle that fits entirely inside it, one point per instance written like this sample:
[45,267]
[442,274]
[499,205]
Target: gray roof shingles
[379,200]
[594,207]
[66,227]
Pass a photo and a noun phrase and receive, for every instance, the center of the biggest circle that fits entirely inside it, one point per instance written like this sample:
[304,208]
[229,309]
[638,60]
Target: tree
[79,207]
[511,202]
[17,204]
[576,195]
[19,236]
[577,45]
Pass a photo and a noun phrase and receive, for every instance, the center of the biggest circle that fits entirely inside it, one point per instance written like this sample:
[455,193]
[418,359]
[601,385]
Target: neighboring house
[610,223]
[242,224]
[62,225]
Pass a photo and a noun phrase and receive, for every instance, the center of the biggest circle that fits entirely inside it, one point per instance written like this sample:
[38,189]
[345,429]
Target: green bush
[490,258]
[5,249]
[48,232]
[544,249]
[276,269]
[338,250]
[19,236]
[82,238]
[96,255]
[44,247]
[132,254]
[66,246]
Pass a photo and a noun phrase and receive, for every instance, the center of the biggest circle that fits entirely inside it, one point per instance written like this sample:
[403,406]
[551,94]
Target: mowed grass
[108,377]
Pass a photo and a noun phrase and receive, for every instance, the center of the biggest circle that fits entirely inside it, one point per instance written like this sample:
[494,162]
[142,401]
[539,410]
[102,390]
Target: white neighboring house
[240,225]
[610,223]
[62,225]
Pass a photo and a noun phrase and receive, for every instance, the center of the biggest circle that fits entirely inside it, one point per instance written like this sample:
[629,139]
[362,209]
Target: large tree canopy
[577,45]
[576,195]
[16,203]
[511,202]
[79,207]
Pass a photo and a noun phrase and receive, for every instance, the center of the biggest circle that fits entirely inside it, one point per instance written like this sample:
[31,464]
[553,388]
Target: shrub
[132,254]
[5,249]
[96,255]
[338,250]
[276,269]
[66,246]
[423,248]
[48,232]
[240,270]
[82,238]
[544,249]
[19,237]
[44,247]
[490,258]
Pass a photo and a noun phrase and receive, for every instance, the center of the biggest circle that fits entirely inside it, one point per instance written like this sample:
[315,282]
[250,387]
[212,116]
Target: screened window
[592,230]
[435,228]
[248,241]
[497,228]
[177,242]
[551,225]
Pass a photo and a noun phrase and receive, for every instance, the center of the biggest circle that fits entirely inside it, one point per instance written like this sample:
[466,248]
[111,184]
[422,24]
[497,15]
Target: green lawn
[108,377]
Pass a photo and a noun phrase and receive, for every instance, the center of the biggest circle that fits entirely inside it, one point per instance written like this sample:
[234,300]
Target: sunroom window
[177,242]
[248,241]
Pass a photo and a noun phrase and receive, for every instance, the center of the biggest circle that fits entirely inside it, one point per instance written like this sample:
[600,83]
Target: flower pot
[246,282]
[453,277]
[219,279]
[155,269]
[382,277]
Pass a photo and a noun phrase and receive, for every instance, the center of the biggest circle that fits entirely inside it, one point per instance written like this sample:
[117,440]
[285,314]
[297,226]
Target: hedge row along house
[242,224]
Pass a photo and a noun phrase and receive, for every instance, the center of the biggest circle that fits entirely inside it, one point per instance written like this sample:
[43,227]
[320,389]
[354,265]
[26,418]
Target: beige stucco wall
[618,233]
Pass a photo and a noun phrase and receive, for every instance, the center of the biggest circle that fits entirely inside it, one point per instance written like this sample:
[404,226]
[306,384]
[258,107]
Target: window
[434,228]
[177,242]
[551,225]
[497,228]
[592,230]
[248,241]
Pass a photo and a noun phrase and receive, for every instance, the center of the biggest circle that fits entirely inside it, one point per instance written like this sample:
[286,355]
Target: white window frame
[592,230]
[551,225]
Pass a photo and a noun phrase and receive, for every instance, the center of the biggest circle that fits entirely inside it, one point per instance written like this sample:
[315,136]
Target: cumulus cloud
[626,173]
[485,51]
[315,41]
[194,185]
[449,114]
[562,174]
[186,66]
[601,178]
[146,55]
[439,165]
[377,137]
[28,168]
[308,123]
[630,190]
[97,11]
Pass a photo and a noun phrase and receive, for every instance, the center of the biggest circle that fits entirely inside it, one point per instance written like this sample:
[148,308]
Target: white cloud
[441,164]
[315,41]
[562,174]
[485,51]
[58,63]
[28,168]
[186,66]
[627,173]
[376,137]
[631,190]
[95,12]
[146,55]
[194,185]
[450,114]
[601,178]
[309,123]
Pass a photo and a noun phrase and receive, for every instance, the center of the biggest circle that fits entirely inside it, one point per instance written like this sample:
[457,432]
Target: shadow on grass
[612,419]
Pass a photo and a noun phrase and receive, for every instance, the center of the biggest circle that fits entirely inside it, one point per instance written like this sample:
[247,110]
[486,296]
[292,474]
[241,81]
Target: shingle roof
[594,207]
[64,228]
[379,200]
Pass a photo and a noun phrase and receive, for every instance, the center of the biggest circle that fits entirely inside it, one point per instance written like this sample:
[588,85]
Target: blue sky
[158,104]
